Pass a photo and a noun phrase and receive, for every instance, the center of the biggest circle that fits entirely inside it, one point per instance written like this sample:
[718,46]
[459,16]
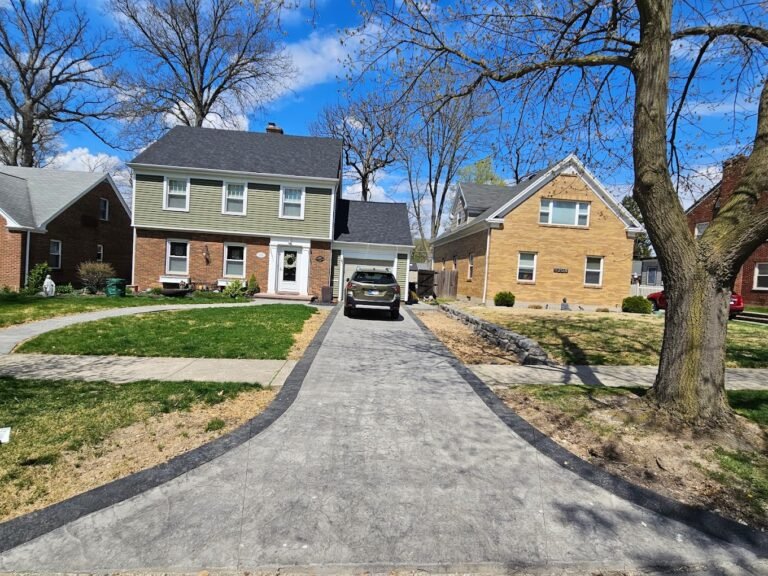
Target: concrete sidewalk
[129,368]
[507,375]
[387,460]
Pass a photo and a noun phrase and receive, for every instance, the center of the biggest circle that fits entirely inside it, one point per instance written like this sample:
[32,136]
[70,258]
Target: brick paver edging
[527,350]
[30,526]
[703,520]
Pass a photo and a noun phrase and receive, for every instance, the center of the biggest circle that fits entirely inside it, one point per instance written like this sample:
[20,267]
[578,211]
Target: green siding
[402,274]
[205,210]
[336,271]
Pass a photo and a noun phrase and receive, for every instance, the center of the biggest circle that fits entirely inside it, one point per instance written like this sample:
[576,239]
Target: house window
[234,260]
[471,266]
[99,252]
[593,271]
[699,230]
[526,266]
[455,263]
[761,276]
[176,194]
[234,198]
[292,203]
[564,213]
[54,254]
[443,264]
[178,257]
[652,273]
[103,209]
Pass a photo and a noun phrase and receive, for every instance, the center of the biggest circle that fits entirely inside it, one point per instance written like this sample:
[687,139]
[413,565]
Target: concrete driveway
[387,459]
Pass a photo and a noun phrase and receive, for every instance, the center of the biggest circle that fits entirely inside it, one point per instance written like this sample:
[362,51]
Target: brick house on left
[62,218]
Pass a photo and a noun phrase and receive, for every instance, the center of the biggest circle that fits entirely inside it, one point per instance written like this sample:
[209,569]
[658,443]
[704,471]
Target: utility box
[326,294]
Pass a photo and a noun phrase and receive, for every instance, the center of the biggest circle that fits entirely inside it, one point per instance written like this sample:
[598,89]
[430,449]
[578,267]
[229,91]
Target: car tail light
[349,285]
[397,288]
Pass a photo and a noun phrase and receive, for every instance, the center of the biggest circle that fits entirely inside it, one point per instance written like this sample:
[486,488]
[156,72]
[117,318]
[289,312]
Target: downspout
[487,258]
[26,259]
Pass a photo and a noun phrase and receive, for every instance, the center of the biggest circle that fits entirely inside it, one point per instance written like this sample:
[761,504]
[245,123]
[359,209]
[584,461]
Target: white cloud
[318,59]
[82,160]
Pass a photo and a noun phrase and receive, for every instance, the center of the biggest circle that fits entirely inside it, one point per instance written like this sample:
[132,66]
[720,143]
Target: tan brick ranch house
[62,218]
[556,234]
[214,206]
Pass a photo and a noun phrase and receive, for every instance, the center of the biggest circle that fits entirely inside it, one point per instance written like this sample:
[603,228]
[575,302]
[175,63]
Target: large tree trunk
[27,141]
[691,379]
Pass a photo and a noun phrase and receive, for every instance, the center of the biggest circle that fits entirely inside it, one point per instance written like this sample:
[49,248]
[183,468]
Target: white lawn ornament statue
[49,287]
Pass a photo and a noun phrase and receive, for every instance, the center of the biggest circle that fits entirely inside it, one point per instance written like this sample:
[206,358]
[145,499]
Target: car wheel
[347,311]
[394,314]
[655,305]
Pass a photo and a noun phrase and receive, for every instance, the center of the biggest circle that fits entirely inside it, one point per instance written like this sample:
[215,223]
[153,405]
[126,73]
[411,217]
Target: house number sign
[260,255]
[561,270]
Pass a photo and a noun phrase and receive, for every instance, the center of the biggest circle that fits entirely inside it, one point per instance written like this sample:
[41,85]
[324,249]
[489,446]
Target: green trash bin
[115,287]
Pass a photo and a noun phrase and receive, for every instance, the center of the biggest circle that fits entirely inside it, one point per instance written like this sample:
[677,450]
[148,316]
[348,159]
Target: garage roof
[372,223]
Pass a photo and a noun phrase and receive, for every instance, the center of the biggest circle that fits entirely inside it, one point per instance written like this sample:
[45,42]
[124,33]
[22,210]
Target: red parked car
[659,302]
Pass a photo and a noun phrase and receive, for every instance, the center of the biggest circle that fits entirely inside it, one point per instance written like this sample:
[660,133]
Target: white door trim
[302,246]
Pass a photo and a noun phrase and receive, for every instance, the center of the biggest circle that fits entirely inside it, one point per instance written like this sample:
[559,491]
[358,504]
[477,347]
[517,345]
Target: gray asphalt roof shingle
[43,194]
[239,151]
[372,223]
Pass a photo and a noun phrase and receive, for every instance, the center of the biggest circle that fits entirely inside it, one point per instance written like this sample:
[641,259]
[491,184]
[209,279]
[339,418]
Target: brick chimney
[273,128]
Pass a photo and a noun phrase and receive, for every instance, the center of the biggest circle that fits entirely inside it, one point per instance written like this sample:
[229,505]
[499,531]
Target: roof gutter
[487,260]
[223,173]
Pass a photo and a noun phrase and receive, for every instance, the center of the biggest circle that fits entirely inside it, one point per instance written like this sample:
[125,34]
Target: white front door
[288,259]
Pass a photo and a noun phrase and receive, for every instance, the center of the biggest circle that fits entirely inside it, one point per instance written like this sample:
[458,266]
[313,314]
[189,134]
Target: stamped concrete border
[20,530]
[703,520]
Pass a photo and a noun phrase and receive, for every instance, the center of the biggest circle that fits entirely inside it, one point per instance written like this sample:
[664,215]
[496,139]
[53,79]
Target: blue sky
[312,40]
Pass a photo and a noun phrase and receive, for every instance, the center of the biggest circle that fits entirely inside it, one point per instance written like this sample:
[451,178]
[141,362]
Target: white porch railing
[643,289]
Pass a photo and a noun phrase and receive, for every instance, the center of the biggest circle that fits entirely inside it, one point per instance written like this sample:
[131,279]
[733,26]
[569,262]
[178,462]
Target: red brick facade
[80,230]
[319,267]
[206,257]
[12,254]
[707,209]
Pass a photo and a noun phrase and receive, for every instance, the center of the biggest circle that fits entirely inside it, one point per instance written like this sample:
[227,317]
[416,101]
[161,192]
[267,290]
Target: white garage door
[351,264]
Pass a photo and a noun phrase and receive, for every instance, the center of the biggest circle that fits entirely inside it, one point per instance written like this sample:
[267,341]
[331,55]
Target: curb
[703,520]
[21,530]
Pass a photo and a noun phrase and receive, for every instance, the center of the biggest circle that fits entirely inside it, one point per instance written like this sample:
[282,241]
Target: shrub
[636,305]
[155,291]
[234,289]
[602,310]
[36,278]
[253,285]
[535,306]
[215,424]
[504,299]
[94,275]
[64,289]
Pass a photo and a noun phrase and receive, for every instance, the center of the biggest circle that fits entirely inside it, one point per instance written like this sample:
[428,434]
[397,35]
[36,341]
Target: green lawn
[18,309]
[258,332]
[51,417]
[761,309]
[619,340]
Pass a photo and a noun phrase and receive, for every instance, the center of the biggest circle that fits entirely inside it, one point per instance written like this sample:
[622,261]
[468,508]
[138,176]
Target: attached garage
[371,234]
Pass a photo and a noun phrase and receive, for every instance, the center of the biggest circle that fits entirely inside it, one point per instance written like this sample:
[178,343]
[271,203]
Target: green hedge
[504,299]
[637,305]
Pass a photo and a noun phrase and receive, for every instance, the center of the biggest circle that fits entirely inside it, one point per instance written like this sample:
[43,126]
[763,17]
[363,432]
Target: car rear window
[374,278]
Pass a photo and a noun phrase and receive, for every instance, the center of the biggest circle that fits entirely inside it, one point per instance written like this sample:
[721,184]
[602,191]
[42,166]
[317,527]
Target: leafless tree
[611,69]
[433,145]
[199,61]
[368,130]
[53,76]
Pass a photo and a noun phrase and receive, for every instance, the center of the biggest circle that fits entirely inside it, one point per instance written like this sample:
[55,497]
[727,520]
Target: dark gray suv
[372,288]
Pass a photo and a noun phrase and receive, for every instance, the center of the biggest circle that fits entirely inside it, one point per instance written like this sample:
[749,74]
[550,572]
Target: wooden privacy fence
[446,283]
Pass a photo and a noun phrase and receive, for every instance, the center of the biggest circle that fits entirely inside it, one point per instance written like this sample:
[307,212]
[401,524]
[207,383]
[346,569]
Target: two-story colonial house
[214,206]
[556,234]
[61,218]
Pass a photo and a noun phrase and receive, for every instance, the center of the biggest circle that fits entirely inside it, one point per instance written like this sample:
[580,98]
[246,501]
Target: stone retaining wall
[527,351]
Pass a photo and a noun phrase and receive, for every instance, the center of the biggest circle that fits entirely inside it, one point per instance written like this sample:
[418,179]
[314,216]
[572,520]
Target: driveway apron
[387,458]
